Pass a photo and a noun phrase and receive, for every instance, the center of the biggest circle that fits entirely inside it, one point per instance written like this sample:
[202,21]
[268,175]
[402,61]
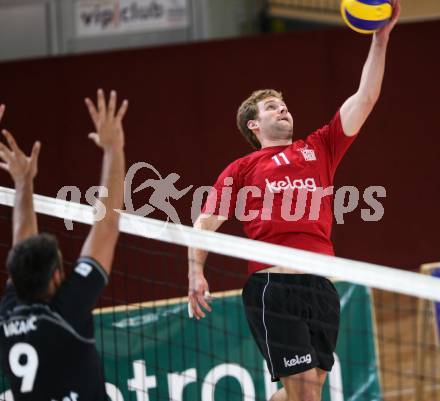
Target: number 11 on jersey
[282,156]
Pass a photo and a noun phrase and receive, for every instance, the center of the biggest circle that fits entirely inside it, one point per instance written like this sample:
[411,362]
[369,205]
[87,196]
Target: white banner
[103,17]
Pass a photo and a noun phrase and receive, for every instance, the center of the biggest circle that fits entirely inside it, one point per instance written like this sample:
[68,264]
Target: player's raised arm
[109,136]
[357,108]
[198,286]
[23,170]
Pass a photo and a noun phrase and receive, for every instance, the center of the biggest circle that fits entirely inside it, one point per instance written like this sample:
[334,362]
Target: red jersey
[277,192]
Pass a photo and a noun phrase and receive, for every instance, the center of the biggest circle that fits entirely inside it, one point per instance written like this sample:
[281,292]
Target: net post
[426,322]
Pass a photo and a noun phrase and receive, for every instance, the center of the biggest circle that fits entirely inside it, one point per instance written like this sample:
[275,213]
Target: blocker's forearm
[24,219]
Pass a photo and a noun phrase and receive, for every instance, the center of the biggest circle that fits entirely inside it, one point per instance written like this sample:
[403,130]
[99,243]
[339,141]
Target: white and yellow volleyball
[366,16]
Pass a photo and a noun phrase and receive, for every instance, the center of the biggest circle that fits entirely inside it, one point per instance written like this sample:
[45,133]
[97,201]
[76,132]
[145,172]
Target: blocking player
[46,337]
[293,317]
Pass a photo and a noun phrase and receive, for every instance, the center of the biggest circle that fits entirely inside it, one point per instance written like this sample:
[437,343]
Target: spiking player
[294,318]
[46,326]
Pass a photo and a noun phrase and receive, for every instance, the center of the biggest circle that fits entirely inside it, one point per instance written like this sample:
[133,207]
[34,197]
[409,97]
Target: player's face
[274,119]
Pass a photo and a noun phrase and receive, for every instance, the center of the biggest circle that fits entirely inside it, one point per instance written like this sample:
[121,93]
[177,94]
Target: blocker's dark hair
[31,264]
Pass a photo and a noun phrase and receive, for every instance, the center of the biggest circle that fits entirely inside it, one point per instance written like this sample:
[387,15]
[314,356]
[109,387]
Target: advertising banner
[173,357]
[155,352]
[110,17]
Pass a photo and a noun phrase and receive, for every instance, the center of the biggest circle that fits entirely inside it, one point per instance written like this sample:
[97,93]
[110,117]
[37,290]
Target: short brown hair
[248,110]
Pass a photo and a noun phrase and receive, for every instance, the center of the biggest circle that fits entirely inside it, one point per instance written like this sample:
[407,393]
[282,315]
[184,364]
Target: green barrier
[215,359]
[156,353]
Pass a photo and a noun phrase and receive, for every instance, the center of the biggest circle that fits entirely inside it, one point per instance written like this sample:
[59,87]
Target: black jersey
[48,349]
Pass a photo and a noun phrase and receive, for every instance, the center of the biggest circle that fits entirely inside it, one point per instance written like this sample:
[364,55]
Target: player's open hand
[198,296]
[20,167]
[385,31]
[107,120]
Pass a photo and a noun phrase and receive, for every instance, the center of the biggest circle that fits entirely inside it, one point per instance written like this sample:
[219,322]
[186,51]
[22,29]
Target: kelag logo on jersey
[281,185]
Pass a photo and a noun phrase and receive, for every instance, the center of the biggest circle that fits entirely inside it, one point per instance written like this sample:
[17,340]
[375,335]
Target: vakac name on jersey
[19,327]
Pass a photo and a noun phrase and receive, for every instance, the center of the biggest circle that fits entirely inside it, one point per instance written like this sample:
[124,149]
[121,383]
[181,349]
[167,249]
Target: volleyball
[366,16]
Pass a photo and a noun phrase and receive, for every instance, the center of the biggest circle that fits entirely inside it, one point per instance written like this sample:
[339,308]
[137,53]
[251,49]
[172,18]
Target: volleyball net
[388,344]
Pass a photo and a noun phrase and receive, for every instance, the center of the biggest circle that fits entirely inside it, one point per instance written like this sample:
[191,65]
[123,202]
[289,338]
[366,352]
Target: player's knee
[310,395]
[280,395]
[304,386]
[307,393]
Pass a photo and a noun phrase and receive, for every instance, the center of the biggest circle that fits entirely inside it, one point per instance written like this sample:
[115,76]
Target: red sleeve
[222,197]
[332,138]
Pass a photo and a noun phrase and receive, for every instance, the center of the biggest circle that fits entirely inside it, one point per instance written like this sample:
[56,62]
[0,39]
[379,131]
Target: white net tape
[368,274]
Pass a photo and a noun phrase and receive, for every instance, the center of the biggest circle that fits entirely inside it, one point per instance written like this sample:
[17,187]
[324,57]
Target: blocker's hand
[14,161]
[108,122]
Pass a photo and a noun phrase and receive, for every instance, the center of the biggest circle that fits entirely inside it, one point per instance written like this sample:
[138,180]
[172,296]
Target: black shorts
[294,319]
